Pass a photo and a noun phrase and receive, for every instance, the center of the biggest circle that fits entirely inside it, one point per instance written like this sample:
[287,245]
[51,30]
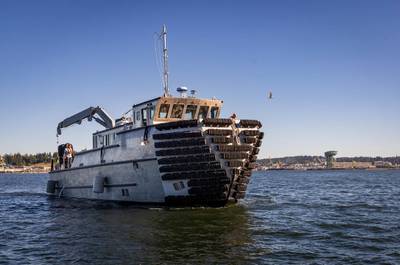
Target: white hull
[185,162]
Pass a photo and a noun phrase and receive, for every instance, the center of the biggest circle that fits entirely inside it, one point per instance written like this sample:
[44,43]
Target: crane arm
[104,118]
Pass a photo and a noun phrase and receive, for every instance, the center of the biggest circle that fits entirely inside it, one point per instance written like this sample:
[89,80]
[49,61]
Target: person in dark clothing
[61,149]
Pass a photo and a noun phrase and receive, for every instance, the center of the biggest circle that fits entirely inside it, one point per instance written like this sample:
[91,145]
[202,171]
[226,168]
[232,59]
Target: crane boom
[104,118]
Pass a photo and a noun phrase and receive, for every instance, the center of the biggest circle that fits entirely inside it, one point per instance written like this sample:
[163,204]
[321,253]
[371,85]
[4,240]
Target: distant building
[352,165]
[330,158]
[383,164]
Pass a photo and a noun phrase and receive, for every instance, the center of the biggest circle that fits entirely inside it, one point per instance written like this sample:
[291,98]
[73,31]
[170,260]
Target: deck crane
[103,118]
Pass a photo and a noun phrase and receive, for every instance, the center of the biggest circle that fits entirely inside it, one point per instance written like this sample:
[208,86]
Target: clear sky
[333,68]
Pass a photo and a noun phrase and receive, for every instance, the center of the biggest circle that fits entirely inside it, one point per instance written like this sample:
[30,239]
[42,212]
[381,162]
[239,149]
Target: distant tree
[28,159]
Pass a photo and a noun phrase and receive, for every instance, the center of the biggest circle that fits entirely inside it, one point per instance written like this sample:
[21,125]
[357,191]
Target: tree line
[18,159]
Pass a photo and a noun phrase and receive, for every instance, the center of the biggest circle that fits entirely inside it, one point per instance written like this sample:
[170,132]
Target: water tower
[330,158]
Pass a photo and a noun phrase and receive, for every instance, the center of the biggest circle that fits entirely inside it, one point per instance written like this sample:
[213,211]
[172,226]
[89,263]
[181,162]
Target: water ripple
[288,217]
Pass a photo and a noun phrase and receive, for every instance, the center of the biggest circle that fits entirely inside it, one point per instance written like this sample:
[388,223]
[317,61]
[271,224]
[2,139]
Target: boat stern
[207,162]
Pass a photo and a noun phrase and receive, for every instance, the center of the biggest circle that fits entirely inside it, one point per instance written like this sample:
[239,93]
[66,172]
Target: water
[288,217]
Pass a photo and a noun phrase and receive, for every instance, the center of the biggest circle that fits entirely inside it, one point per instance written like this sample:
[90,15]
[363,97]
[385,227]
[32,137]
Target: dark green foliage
[291,160]
[27,159]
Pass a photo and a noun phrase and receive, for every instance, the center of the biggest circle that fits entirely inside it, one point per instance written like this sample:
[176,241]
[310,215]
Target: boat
[169,150]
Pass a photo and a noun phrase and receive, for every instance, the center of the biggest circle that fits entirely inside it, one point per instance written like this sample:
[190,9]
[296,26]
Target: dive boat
[171,150]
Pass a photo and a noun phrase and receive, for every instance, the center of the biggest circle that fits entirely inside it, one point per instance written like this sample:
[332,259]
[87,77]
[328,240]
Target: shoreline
[276,169]
[24,172]
[38,168]
[328,169]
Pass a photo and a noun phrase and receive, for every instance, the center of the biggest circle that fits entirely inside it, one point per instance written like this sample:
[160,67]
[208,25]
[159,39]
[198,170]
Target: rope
[236,137]
[61,192]
[102,154]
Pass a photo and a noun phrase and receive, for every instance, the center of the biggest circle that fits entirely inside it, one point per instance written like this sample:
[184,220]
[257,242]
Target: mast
[165,60]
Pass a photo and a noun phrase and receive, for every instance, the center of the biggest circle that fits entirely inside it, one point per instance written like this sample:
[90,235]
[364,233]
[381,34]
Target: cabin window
[190,112]
[107,139]
[164,109]
[101,140]
[144,117]
[138,115]
[203,112]
[151,113]
[214,112]
[177,111]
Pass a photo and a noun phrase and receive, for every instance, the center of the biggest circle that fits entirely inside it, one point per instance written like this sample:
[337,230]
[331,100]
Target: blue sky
[333,68]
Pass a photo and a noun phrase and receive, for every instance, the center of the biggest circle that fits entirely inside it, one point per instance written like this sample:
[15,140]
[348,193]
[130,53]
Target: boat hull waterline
[183,163]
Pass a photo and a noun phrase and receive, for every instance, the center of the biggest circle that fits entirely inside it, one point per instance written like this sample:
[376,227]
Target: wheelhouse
[167,109]
[159,110]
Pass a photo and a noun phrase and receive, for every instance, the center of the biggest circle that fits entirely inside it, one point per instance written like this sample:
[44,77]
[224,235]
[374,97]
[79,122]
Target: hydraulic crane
[103,118]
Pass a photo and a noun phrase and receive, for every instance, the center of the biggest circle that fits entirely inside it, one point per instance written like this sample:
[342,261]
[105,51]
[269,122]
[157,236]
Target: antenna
[165,60]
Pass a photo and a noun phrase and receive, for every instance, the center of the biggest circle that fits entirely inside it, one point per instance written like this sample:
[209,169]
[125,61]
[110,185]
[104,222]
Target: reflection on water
[207,235]
[90,231]
[347,217]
